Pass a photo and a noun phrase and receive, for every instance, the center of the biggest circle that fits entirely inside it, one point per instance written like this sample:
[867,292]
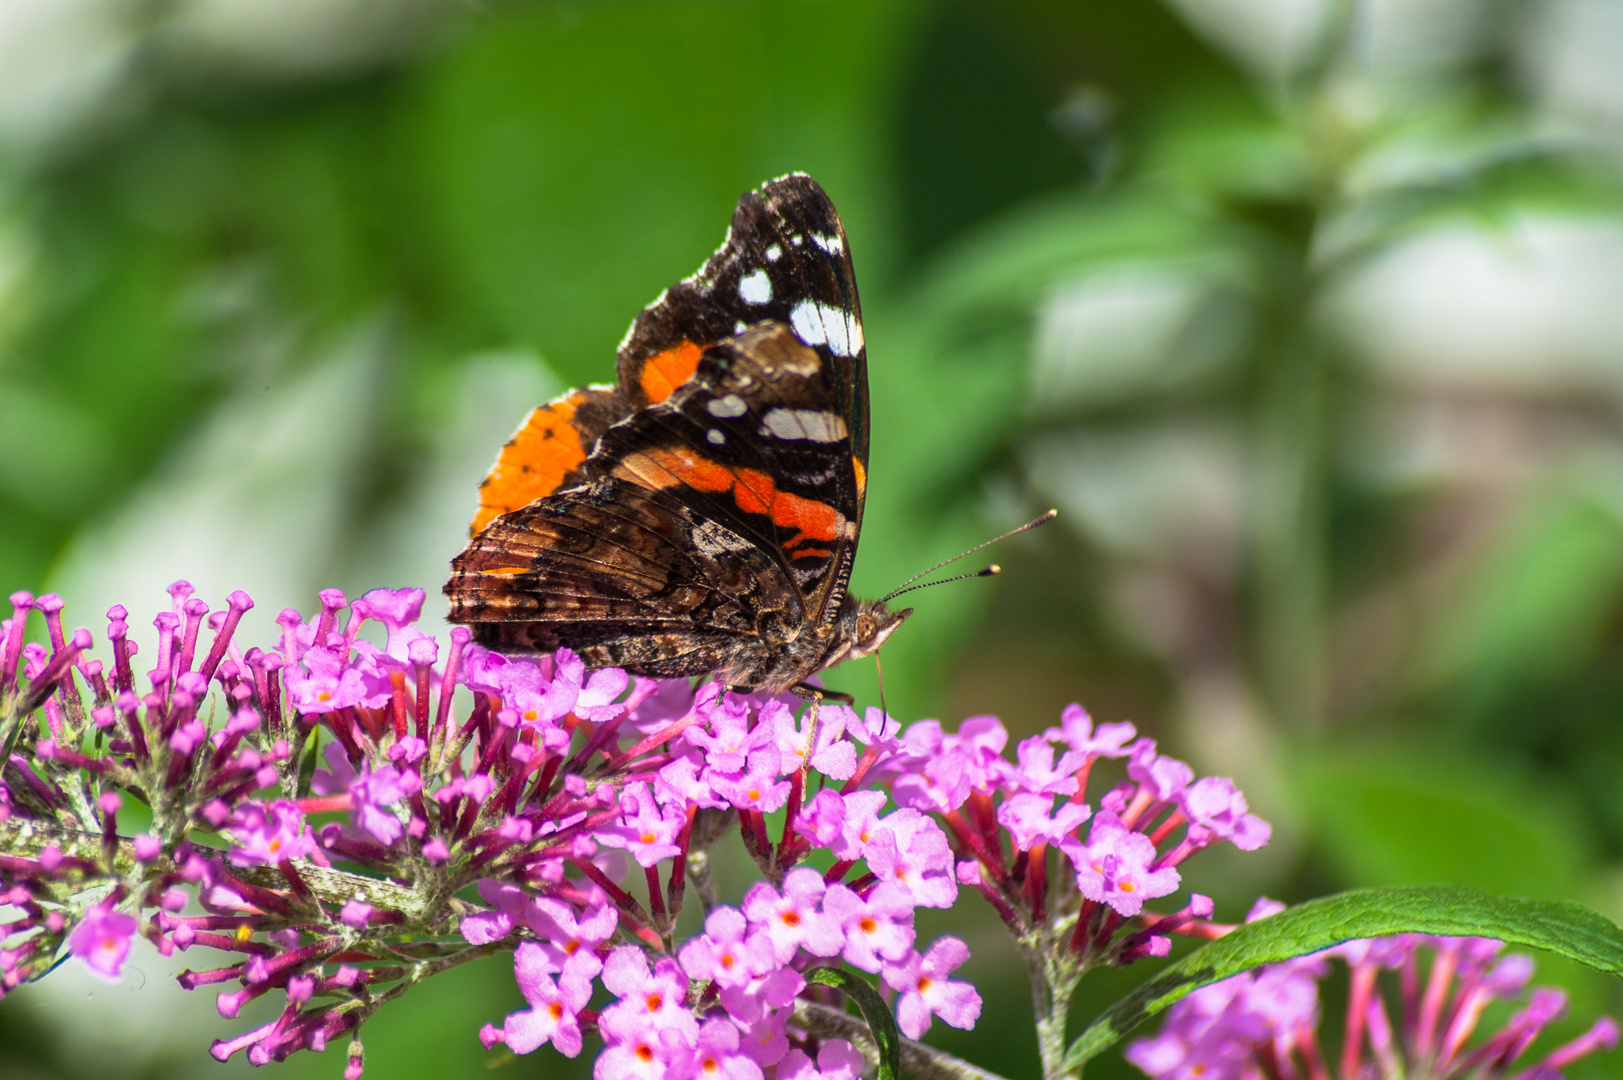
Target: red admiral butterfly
[702,515]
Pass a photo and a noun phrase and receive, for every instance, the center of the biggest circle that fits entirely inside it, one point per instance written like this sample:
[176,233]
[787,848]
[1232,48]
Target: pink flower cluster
[1007,816]
[357,798]
[1265,1023]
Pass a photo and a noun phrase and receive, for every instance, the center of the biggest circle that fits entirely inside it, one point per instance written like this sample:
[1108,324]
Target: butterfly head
[863,626]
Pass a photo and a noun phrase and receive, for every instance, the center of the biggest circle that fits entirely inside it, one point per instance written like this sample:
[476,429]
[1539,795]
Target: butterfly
[702,514]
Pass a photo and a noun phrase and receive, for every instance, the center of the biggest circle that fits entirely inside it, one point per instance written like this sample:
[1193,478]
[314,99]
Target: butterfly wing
[785,259]
[625,575]
[545,454]
[753,442]
[703,514]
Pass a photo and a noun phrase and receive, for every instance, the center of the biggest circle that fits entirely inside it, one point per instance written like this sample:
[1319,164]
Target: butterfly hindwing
[545,454]
[613,559]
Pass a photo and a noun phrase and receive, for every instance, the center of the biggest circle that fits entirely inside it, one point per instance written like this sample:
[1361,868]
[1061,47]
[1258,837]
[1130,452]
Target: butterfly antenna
[908,586]
[880,673]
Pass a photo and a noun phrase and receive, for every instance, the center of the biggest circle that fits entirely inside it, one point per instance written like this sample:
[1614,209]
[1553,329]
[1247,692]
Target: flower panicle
[357,795]
[1266,1023]
[1024,835]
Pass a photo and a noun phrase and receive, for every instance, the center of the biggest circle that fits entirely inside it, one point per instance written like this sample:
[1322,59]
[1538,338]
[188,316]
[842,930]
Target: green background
[1305,317]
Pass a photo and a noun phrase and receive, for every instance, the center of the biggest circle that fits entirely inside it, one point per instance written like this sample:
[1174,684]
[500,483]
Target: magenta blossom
[727,953]
[1215,806]
[269,835]
[554,1007]
[1032,819]
[791,918]
[836,1060]
[329,683]
[722,1055]
[925,990]
[1116,866]
[650,1001]
[647,833]
[571,942]
[1077,732]
[102,941]
[910,850]
[878,929]
[371,793]
[800,745]
[1266,1022]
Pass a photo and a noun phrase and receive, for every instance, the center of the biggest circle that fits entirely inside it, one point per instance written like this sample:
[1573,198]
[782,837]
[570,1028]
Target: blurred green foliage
[1106,265]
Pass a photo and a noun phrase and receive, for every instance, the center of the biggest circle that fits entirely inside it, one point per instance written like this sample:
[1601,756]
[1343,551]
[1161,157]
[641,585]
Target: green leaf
[874,1010]
[1564,928]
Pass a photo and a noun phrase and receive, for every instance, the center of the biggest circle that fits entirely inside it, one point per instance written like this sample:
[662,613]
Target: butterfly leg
[807,690]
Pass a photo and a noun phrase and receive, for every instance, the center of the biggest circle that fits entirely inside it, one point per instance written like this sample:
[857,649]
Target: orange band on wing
[862,475]
[753,492]
[533,462]
[663,372]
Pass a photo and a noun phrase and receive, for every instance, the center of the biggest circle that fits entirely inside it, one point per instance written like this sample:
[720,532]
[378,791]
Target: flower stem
[1053,982]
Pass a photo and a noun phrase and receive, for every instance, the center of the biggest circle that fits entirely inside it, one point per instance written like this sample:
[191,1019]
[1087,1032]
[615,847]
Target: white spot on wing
[812,424]
[797,240]
[740,326]
[755,288]
[774,253]
[824,324]
[718,541]
[833,245]
[715,436]
[727,407]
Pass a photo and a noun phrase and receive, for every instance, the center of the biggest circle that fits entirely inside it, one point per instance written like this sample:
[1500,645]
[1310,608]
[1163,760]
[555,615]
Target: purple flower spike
[1265,1022]
[102,941]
